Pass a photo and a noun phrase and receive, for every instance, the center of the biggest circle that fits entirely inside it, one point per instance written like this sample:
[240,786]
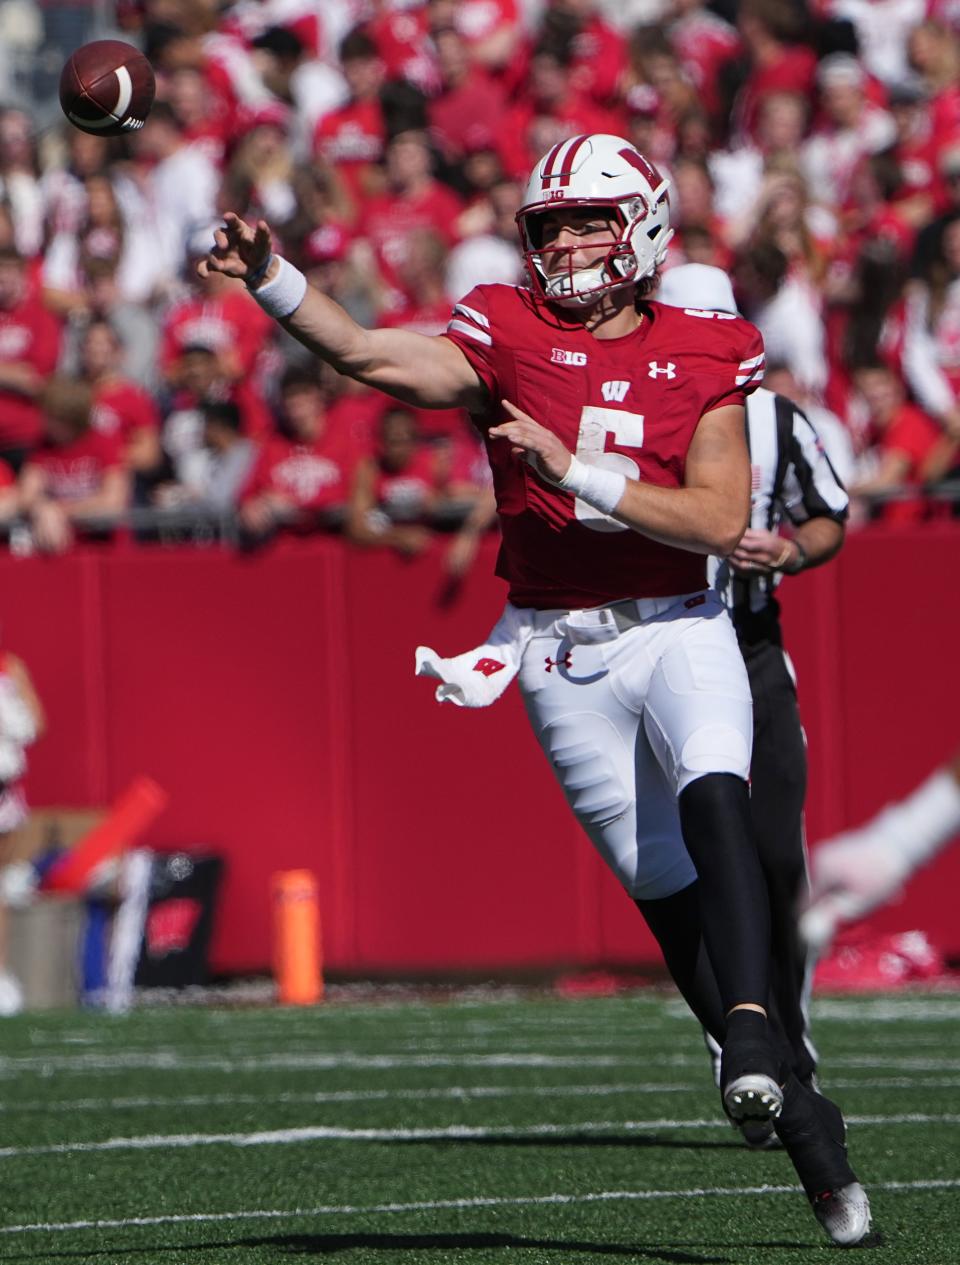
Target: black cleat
[749,1085]
[813,1133]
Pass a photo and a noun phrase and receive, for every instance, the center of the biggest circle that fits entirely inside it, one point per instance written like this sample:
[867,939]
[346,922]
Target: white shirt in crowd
[793,334]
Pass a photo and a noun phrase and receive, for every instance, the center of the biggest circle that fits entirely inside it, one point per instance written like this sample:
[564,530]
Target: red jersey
[407,494]
[467,114]
[29,334]
[704,43]
[517,140]
[390,220]
[352,139]
[8,478]
[75,471]
[600,60]
[120,408]
[912,435]
[232,320]
[795,70]
[310,476]
[630,403]
[403,42]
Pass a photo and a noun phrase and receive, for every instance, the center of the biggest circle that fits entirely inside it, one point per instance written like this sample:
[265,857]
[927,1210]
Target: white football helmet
[602,171]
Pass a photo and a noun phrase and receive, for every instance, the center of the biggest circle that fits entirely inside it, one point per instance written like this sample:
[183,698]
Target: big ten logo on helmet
[560,356]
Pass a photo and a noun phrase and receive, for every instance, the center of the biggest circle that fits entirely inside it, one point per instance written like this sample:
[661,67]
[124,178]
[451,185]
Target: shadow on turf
[328,1244]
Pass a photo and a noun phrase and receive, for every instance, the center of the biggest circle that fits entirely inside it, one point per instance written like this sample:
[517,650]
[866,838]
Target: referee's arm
[814,499]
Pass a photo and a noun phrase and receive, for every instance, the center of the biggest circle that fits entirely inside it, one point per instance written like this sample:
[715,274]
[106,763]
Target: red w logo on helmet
[646,169]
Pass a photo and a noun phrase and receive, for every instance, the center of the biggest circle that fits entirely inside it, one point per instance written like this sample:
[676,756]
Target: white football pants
[630,715]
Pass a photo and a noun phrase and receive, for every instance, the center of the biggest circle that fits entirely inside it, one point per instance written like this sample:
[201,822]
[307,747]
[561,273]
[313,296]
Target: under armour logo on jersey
[565,662]
[614,390]
[488,666]
[560,356]
[669,370]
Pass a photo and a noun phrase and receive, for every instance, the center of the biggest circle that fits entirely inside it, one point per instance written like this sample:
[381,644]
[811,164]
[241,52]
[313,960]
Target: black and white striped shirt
[792,479]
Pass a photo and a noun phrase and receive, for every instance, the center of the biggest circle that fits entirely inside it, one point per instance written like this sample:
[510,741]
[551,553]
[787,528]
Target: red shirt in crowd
[121,408]
[403,42]
[407,494]
[308,476]
[229,322]
[519,149]
[704,43]
[29,334]
[356,415]
[352,138]
[463,117]
[911,435]
[389,220]
[795,71]
[600,60]
[75,471]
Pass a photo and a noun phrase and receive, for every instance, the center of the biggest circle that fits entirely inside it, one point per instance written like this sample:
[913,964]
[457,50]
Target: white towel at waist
[478,677]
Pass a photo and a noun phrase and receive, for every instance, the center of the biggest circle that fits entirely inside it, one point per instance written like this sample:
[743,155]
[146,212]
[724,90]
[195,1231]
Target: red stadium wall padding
[273,698]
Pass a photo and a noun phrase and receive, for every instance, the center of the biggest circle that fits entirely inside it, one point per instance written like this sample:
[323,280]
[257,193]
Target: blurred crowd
[814,152]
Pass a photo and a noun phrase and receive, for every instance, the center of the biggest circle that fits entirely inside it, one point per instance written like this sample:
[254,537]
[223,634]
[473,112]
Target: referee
[793,481]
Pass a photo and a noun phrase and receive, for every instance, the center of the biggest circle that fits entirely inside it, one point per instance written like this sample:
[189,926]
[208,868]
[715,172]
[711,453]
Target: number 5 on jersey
[596,423]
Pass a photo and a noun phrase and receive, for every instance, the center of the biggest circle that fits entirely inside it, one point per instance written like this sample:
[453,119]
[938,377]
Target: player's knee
[713,749]
[655,881]
[596,789]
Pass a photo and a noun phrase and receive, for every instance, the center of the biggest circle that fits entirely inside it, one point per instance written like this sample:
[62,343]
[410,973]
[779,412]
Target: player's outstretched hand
[239,250]
[851,875]
[537,445]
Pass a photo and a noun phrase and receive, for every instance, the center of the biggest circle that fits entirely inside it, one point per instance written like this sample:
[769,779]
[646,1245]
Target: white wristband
[283,295]
[601,489]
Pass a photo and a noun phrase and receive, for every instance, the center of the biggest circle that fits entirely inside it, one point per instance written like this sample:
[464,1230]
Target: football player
[614,428]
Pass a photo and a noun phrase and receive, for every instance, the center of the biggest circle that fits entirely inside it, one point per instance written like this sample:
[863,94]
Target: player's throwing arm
[424,371]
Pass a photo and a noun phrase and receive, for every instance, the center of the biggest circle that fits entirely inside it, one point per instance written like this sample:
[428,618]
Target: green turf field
[547,1130]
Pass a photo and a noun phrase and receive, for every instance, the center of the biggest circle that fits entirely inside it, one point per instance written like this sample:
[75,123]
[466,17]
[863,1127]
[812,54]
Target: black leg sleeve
[675,922]
[734,906]
[778,790]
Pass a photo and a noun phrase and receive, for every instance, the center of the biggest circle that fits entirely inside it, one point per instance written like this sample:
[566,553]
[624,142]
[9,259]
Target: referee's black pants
[778,780]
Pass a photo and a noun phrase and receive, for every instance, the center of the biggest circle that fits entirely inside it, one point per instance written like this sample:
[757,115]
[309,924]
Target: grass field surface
[541,1130]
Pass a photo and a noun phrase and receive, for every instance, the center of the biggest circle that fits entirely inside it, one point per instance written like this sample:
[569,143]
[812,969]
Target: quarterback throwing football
[614,429]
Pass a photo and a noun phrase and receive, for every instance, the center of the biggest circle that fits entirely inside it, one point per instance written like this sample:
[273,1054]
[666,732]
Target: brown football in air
[107,88]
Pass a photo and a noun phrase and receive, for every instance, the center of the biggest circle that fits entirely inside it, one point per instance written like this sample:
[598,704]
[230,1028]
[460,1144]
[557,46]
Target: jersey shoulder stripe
[471,324]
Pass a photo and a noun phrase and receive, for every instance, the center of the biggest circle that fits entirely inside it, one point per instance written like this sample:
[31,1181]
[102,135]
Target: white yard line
[455,1132]
[435,1205]
[160,1061]
[456,1093]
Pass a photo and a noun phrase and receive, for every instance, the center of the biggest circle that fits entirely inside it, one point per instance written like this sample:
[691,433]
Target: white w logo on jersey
[615,390]
[669,369]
